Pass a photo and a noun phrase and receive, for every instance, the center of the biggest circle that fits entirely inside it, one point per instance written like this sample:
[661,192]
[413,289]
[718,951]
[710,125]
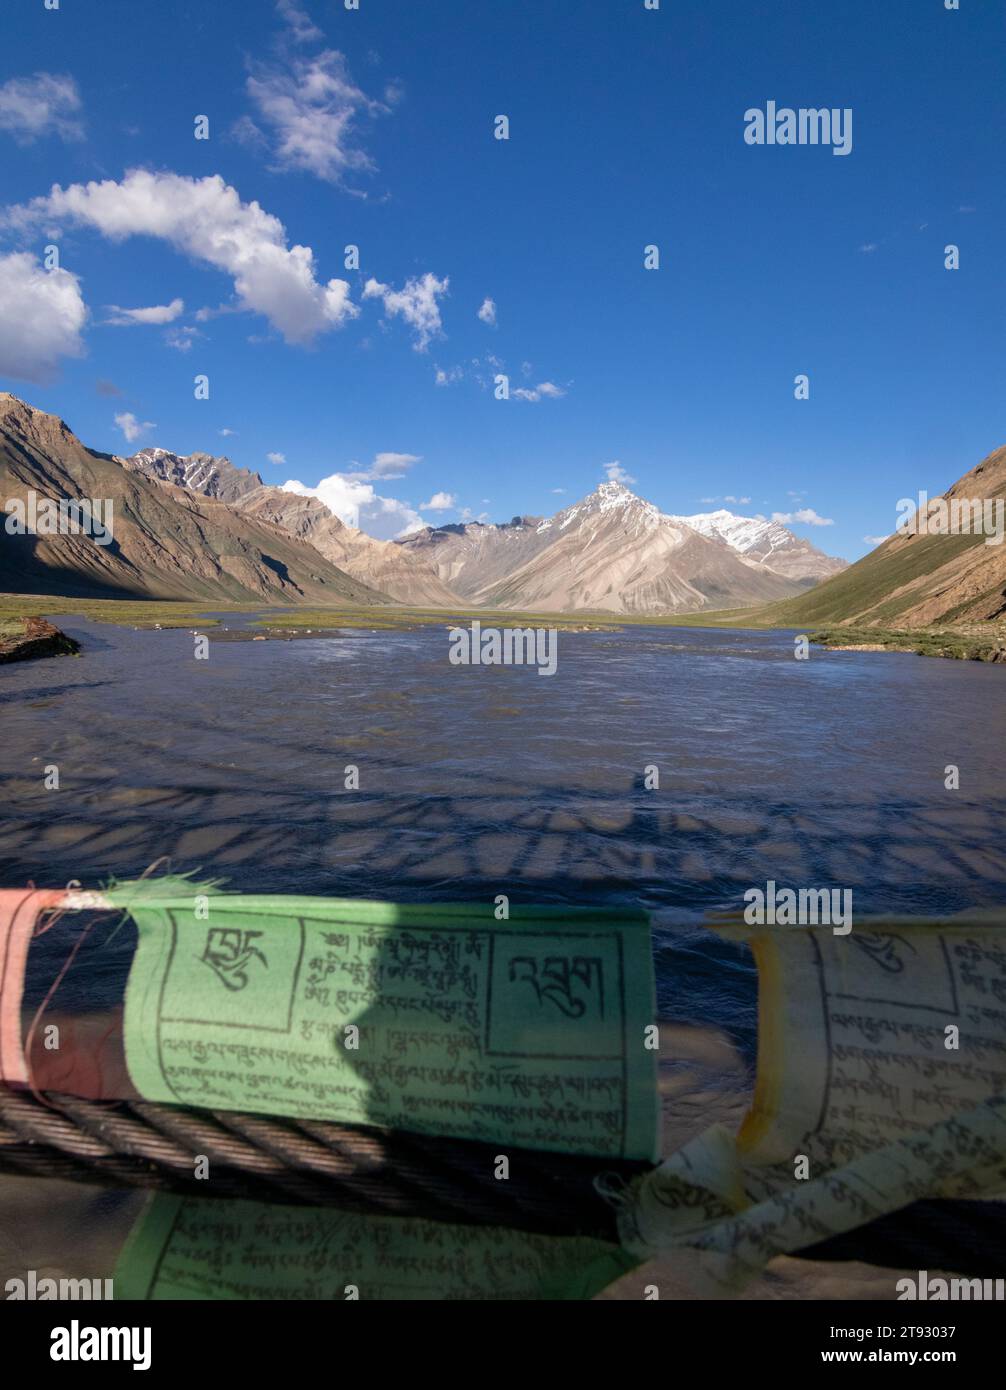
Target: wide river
[474,781]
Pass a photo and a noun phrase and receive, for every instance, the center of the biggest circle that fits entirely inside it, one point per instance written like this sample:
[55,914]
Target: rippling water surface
[477,781]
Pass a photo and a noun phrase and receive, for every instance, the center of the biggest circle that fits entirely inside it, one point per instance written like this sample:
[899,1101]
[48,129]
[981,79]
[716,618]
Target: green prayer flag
[440,1020]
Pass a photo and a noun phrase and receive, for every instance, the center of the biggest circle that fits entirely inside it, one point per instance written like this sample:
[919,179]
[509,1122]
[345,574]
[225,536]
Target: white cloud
[302,27]
[357,504]
[181,338]
[447,378]
[545,390]
[737,501]
[617,474]
[440,502]
[488,312]
[44,104]
[386,466]
[341,495]
[206,219]
[876,540]
[868,247]
[806,515]
[131,427]
[557,490]
[310,107]
[227,433]
[276,458]
[416,303]
[207,312]
[157,313]
[42,313]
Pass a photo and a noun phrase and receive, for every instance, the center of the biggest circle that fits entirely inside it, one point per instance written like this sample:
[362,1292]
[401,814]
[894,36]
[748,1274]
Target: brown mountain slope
[917,581]
[168,543]
[404,576]
[407,578]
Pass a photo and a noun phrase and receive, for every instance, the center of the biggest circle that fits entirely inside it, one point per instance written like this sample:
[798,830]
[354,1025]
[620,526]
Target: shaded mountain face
[168,541]
[406,578]
[610,552]
[919,580]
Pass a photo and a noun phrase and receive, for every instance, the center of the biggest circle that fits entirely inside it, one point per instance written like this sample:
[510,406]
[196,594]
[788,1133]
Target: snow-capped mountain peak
[767,543]
[742,533]
[206,474]
[607,499]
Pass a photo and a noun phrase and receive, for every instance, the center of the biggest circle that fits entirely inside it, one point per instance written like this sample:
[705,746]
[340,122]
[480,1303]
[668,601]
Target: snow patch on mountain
[741,533]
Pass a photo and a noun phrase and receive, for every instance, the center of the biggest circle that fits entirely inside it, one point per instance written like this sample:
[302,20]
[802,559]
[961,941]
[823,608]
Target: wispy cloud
[545,390]
[276,459]
[45,104]
[615,473]
[301,26]
[806,516]
[157,313]
[181,339]
[307,107]
[488,312]
[388,466]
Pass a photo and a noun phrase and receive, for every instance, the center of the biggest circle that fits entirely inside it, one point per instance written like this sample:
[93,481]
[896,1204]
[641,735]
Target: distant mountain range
[614,552]
[197,526]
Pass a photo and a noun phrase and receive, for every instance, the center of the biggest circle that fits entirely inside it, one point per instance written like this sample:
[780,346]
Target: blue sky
[374,127]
